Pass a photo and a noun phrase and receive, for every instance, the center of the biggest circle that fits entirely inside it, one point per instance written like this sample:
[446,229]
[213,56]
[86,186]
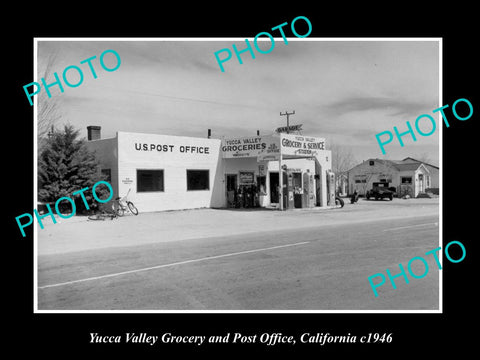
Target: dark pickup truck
[380,191]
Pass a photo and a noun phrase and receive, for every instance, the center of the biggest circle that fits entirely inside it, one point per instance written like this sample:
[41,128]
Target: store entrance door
[421,186]
[231,187]
[274,182]
[297,190]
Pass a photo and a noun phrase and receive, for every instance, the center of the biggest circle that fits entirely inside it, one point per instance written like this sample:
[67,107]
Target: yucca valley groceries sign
[244,147]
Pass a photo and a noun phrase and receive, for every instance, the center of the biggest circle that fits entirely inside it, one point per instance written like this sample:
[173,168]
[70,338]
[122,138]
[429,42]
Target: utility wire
[192,99]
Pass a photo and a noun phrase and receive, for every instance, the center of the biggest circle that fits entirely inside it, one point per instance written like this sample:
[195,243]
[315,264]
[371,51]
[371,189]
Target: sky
[343,91]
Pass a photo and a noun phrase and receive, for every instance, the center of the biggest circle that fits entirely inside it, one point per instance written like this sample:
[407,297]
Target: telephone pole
[288,118]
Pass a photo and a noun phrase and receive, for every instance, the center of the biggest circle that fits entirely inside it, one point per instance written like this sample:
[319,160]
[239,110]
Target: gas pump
[311,191]
[330,188]
[308,200]
[289,190]
[306,189]
[308,197]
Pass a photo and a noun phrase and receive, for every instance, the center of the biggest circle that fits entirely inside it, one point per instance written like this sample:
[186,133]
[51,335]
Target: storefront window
[198,180]
[360,179]
[150,180]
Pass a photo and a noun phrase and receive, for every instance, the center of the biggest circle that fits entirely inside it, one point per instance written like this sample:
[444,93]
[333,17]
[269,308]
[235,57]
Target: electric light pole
[288,118]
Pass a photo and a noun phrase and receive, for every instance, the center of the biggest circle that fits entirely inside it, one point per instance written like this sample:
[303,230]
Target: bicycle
[122,204]
[102,215]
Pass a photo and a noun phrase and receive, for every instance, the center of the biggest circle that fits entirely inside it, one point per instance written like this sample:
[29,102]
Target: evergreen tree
[66,165]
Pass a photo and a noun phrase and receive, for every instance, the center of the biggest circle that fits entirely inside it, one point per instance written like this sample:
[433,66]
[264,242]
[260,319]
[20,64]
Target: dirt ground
[79,233]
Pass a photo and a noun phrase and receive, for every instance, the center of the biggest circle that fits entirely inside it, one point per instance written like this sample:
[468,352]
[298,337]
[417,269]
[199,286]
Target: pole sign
[286,129]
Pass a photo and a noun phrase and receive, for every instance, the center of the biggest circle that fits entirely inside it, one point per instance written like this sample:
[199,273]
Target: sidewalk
[79,233]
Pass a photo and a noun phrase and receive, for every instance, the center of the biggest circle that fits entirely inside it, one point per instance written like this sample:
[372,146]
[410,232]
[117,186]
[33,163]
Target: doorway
[421,185]
[231,187]
[274,182]
[297,193]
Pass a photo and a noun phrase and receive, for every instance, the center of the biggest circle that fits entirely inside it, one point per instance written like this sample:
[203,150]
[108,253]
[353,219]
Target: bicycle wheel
[132,208]
[339,202]
[120,211]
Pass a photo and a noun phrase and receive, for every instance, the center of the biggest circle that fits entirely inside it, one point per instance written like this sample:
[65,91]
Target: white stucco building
[407,176]
[165,172]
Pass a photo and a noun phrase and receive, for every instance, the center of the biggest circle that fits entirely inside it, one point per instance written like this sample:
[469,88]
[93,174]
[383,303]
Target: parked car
[380,191]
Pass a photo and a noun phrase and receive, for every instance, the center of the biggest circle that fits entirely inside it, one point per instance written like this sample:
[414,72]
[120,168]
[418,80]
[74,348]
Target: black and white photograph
[192,212]
[284,182]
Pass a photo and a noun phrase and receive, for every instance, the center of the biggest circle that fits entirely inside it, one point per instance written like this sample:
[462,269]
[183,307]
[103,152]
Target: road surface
[311,268]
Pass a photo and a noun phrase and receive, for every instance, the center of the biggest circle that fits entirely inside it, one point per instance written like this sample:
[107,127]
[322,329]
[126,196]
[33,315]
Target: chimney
[258,132]
[93,132]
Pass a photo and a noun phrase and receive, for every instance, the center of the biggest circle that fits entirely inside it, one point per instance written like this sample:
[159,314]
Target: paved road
[313,268]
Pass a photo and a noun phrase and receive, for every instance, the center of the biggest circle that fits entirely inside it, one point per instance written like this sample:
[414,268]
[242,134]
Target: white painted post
[280,180]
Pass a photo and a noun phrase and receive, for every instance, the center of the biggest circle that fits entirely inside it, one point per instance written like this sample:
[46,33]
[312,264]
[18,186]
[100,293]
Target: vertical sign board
[330,188]
[306,190]
[271,152]
[311,196]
